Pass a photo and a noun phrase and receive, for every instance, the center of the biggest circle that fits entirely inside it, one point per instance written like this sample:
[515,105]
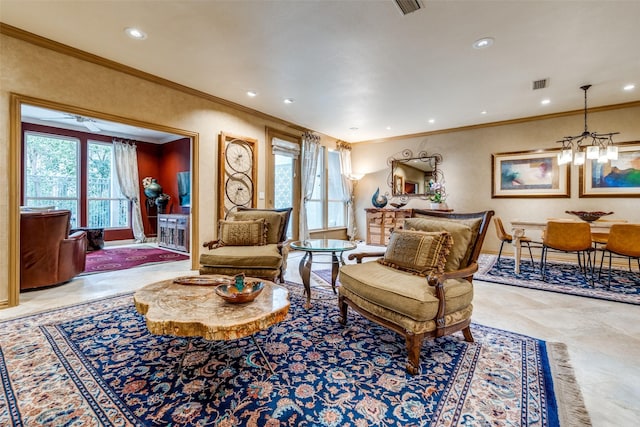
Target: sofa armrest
[72,257]
[359,256]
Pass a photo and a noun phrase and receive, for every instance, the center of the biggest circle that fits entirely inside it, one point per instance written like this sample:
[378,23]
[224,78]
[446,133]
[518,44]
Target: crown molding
[46,43]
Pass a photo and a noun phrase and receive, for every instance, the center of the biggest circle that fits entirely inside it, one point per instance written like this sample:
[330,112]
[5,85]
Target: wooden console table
[173,231]
[380,222]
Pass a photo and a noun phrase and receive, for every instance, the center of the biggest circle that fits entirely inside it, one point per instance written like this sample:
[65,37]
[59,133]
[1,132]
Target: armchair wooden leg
[343,309]
[414,345]
[468,337]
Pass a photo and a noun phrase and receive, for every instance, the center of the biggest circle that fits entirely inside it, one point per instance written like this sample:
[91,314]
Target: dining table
[518,228]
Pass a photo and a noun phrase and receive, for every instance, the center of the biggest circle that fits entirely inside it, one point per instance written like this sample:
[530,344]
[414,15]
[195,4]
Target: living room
[77,79]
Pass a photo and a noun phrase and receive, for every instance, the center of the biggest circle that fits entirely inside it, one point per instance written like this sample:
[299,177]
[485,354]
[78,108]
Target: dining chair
[505,237]
[623,241]
[600,239]
[568,236]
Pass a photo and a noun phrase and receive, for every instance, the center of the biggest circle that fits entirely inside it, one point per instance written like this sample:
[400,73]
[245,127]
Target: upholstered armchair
[250,241]
[421,286]
[48,254]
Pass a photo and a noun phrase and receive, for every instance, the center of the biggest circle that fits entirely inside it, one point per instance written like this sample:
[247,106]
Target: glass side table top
[324,245]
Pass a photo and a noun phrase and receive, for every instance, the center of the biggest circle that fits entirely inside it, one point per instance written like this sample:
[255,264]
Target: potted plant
[438,195]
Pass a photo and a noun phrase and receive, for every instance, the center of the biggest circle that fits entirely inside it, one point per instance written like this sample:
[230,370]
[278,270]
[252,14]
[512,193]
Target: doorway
[46,113]
[283,175]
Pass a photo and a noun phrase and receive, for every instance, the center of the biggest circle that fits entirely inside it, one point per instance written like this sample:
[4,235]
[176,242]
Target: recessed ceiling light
[483,43]
[135,33]
[353,128]
[629,87]
[388,127]
[483,112]
[289,101]
[252,93]
[545,101]
[432,120]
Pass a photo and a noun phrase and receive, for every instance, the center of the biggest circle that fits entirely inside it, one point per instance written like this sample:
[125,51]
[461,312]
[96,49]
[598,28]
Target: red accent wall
[160,161]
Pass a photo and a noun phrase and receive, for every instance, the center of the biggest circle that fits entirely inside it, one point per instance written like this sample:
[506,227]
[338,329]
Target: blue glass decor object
[239,282]
[379,201]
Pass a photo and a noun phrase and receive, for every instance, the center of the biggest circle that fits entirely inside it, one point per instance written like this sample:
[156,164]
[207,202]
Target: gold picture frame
[529,174]
[616,178]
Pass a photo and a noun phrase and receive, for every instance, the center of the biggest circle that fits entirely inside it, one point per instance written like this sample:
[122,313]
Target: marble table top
[196,310]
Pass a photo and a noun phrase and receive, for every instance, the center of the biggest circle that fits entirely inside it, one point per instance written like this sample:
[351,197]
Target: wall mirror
[411,175]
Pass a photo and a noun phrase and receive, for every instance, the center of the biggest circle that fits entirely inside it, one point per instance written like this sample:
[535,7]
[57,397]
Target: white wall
[467,168]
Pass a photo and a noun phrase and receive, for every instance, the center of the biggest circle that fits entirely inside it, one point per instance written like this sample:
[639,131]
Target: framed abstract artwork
[616,178]
[529,174]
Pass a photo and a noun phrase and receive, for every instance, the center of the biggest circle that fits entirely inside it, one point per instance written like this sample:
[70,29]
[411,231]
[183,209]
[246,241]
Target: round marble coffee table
[196,310]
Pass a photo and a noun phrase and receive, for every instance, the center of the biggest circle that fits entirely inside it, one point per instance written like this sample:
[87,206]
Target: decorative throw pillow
[461,233]
[242,233]
[418,252]
[274,220]
[473,224]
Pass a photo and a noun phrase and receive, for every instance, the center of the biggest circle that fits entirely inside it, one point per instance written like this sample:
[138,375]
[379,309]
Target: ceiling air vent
[540,84]
[408,6]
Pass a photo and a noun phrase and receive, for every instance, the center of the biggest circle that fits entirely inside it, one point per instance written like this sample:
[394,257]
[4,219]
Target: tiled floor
[603,337]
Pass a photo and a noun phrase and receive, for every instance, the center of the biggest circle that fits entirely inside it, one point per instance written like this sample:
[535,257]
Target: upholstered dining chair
[421,287]
[505,237]
[250,241]
[623,241]
[600,239]
[568,236]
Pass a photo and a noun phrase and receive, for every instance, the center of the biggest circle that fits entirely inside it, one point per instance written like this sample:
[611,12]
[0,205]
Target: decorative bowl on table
[231,294]
[589,216]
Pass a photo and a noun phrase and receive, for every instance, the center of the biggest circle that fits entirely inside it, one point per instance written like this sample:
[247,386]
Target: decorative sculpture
[379,201]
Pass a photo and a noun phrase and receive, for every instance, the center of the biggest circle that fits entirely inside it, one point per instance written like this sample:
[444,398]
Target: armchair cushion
[462,232]
[403,292]
[266,256]
[275,221]
[417,252]
[242,233]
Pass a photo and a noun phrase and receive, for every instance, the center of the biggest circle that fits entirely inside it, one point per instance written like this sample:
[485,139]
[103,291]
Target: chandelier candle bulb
[593,152]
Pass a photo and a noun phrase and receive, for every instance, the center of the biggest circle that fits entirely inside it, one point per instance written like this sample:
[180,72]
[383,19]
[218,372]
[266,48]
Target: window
[327,207]
[106,205]
[51,175]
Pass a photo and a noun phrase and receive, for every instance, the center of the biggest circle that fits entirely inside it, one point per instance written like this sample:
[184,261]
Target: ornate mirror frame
[410,174]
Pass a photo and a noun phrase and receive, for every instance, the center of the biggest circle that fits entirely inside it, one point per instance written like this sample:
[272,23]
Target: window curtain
[127,173]
[344,150]
[310,152]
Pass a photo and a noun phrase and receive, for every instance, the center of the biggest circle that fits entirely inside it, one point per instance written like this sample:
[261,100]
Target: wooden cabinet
[173,231]
[380,222]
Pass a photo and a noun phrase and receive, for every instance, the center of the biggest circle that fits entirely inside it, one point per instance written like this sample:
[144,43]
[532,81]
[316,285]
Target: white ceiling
[362,64]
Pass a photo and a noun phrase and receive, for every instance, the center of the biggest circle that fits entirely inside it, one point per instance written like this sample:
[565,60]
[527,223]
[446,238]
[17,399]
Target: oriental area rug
[112,259]
[95,364]
[562,278]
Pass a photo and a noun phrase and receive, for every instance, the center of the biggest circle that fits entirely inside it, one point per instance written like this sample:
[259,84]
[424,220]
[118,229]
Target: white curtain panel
[310,152]
[127,171]
[347,189]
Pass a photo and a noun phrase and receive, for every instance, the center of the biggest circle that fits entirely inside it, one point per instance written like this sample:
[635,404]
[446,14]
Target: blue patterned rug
[96,364]
[562,278]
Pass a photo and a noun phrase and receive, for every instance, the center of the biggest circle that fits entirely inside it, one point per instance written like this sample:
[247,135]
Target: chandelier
[587,145]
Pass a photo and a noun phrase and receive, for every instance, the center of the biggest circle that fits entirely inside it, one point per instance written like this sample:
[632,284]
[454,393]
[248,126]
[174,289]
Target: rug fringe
[572,411]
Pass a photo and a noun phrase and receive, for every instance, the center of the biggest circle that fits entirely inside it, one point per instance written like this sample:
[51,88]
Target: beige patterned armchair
[422,286]
[250,241]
